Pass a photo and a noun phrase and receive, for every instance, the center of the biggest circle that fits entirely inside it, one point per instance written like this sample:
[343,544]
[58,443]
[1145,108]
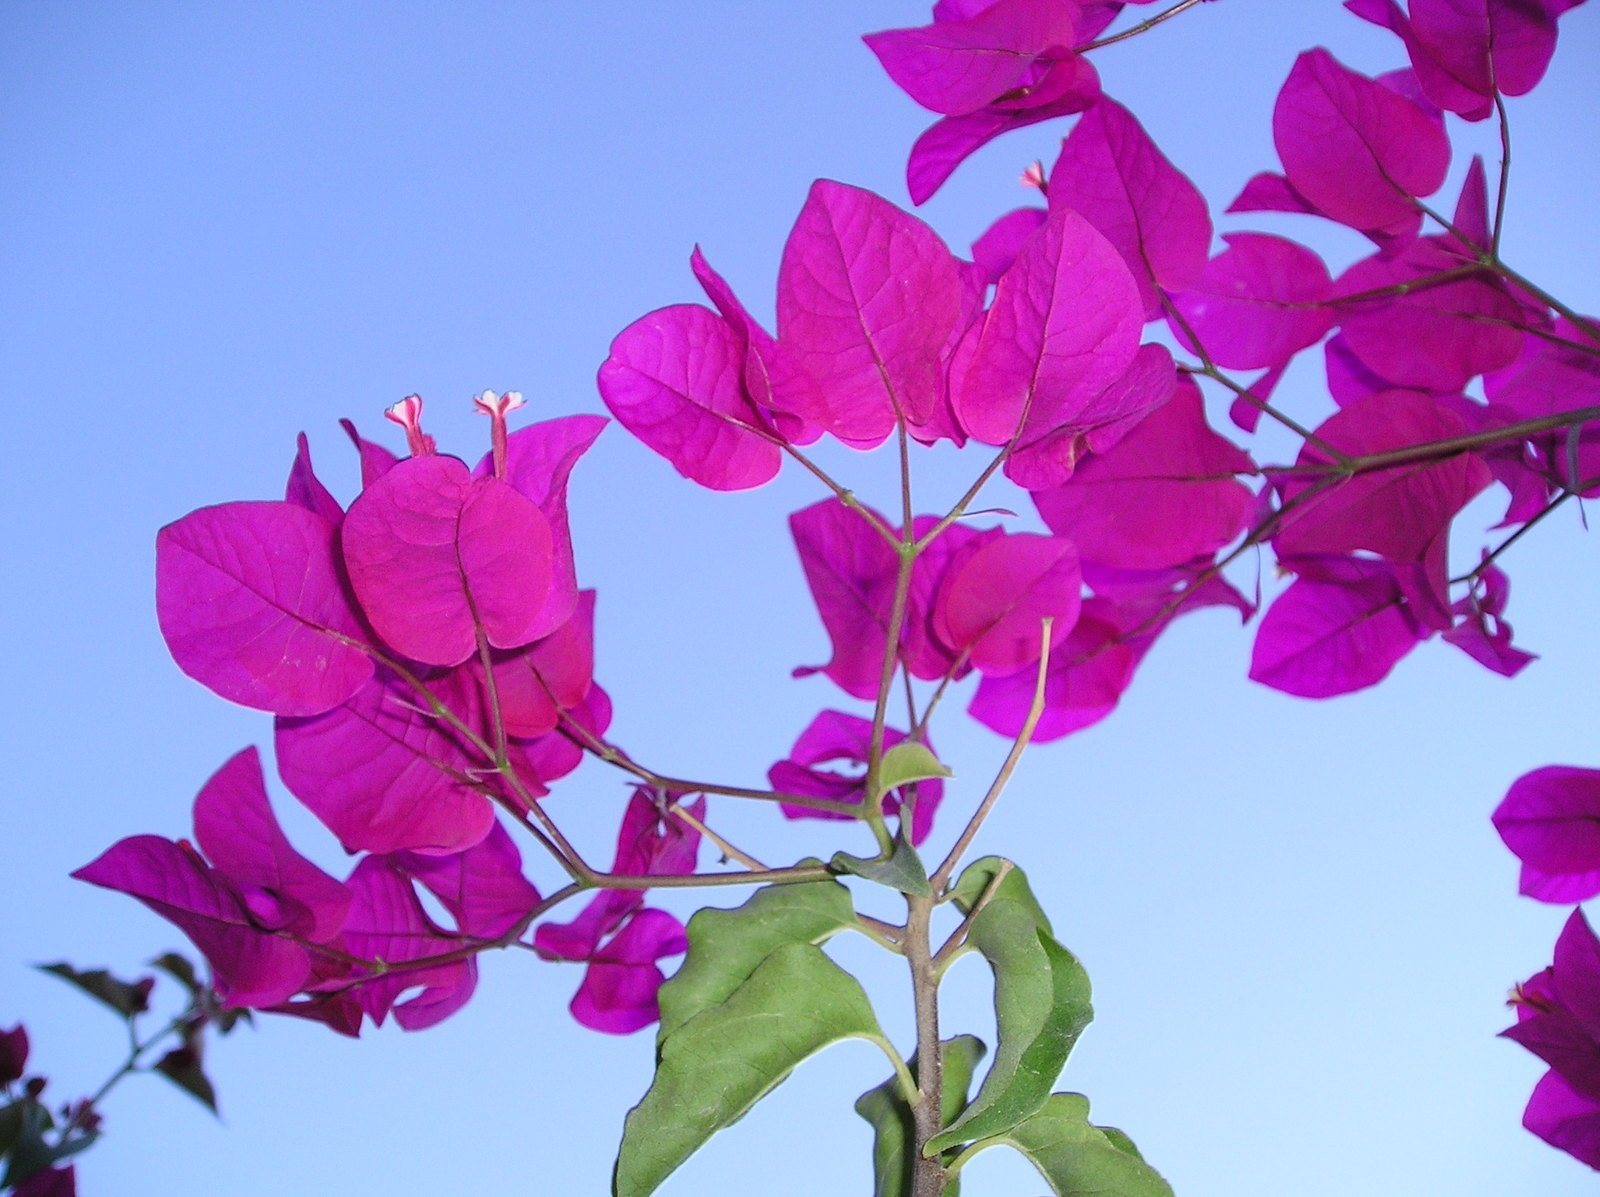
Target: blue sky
[221,225]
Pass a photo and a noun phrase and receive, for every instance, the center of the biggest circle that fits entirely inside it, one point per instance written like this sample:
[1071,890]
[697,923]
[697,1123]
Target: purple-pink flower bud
[496,408]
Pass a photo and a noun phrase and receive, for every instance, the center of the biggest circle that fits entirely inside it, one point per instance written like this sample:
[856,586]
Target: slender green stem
[613,755]
[941,876]
[1135,30]
[927,1175]
[1504,188]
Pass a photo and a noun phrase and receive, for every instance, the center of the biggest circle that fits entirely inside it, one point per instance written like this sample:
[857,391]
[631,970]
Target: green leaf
[1080,1160]
[903,870]
[726,946]
[179,968]
[182,1067]
[127,998]
[894,1130]
[906,762]
[11,1124]
[717,1065]
[1041,1002]
[25,1124]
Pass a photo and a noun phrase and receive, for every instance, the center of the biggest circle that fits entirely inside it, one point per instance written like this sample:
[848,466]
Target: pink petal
[436,556]
[1355,149]
[851,571]
[1321,638]
[774,381]
[947,144]
[1565,1118]
[1163,495]
[252,967]
[483,887]
[994,602]
[867,299]
[675,380]
[1434,338]
[1399,512]
[305,489]
[539,461]
[387,923]
[535,684]
[238,832]
[1256,304]
[1064,325]
[1115,177]
[959,66]
[384,775]
[998,247]
[1551,819]
[251,604]
[1088,672]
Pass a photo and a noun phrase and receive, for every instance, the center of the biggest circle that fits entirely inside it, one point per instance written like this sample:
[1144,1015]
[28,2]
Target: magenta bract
[252,605]
[867,299]
[618,993]
[1063,327]
[1059,88]
[836,739]
[992,605]
[239,834]
[675,379]
[1335,633]
[1162,495]
[252,966]
[1256,304]
[385,774]
[1355,149]
[1551,819]
[483,887]
[1558,1020]
[539,461]
[1113,175]
[438,558]
[388,923]
[1437,337]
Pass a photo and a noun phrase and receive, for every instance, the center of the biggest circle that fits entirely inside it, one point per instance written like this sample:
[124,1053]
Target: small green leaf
[182,1067]
[11,1123]
[726,946]
[903,870]
[906,762]
[1041,1001]
[26,1122]
[1080,1160]
[719,1063]
[127,998]
[180,969]
[894,1131]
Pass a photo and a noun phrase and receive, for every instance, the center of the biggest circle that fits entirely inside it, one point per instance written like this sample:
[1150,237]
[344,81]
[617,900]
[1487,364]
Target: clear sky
[223,224]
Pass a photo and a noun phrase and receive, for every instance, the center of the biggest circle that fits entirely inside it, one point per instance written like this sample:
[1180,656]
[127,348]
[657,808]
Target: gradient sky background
[223,224]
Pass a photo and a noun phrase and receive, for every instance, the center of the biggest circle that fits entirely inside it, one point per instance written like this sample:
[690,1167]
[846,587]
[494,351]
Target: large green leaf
[1080,1160]
[902,869]
[1041,1002]
[726,946]
[720,1062]
[894,1131]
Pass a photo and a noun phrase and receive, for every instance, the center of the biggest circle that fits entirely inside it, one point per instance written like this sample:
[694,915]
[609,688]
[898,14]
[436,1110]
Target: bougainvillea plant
[428,652]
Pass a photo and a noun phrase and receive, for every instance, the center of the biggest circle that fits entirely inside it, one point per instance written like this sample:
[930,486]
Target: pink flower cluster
[428,656]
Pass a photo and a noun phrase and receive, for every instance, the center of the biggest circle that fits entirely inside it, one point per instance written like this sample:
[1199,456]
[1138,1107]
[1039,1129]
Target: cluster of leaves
[37,1142]
[430,658]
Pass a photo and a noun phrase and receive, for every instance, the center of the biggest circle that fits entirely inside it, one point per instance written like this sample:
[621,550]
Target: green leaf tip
[719,1063]
[906,762]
